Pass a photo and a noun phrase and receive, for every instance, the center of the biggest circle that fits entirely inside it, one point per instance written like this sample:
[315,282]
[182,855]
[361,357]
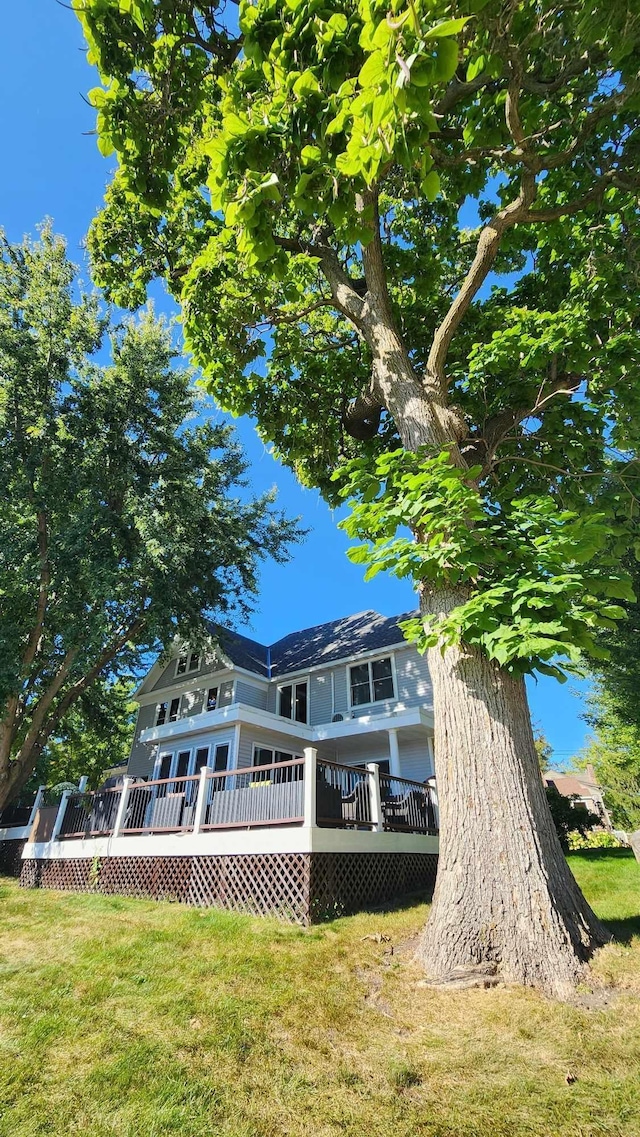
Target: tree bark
[504,894]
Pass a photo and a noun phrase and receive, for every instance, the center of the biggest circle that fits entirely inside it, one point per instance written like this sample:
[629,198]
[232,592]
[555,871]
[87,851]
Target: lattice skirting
[301,887]
[10,857]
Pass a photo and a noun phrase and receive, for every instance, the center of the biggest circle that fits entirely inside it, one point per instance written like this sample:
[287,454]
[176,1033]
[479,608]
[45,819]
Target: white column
[57,825]
[122,805]
[82,784]
[201,800]
[432,760]
[374,796]
[36,805]
[310,760]
[394,753]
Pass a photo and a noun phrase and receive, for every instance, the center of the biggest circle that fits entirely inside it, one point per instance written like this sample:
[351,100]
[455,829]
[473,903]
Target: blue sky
[52,168]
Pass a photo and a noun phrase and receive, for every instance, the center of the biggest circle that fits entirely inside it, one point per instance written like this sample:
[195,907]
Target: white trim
[374,702]
[188,655]
[234,842]
[207,721]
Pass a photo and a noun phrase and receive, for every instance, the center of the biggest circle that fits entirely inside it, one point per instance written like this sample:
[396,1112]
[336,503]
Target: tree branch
[487,250]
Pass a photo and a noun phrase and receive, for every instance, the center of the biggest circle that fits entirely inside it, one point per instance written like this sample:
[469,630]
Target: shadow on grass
[623,931]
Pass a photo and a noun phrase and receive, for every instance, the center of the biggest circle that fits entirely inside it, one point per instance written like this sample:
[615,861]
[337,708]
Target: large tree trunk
[504,893]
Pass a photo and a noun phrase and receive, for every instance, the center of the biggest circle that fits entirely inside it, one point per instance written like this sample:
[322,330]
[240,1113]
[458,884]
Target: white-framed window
[184,762]
[187,662]
[211,699]
[293,701]
[161,713]
[372,681]
[265,756]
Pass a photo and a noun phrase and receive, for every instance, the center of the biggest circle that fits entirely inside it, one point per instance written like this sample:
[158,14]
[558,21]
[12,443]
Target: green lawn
[139,1019]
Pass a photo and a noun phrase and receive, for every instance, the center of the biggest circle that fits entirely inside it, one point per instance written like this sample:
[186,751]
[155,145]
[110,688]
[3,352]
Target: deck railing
[343,796]
[302,790]
[18,812]
[261,795]
[408,807]
[89,814]
[164,805]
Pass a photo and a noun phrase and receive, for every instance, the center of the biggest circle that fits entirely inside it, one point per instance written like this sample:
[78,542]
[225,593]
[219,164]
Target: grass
[143,1020]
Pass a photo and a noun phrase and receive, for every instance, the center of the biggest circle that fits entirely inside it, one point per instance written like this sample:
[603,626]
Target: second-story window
[292,701]
[212,699]
[161,713]
[189,661]
[371,682]
[173,709]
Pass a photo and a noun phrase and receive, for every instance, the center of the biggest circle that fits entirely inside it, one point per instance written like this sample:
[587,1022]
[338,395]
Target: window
[164,768]
[190,661]
[262,756]
[292,701]
[371,682]
[161,715]
[173,709]
[182,764]
[212,699]
[222,757]
[201,758]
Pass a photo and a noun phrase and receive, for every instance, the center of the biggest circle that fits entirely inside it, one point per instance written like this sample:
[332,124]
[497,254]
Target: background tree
[327,191]
[613,712]
[122,519]
[95,734]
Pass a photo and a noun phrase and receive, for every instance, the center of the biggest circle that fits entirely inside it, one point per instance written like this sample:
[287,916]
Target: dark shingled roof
[325,643]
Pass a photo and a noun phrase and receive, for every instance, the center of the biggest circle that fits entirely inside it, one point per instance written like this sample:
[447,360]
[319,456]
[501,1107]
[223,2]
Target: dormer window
[292,701]
[371,682]
[190,661]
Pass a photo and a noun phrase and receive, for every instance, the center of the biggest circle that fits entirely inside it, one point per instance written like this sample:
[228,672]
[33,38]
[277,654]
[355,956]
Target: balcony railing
[308,791]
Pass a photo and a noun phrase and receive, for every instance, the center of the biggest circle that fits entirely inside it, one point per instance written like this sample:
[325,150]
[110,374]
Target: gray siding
[320,698]
[191,703]
[364,748]
[415,760]
[168,678]
[412,676]
[140,759]
[225,693]
[251,694]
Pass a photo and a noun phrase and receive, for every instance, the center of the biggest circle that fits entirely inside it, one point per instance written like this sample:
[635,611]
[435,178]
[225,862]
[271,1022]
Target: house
[583,787]
[289,778]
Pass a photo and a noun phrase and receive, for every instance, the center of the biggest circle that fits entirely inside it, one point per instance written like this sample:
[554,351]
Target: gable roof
[325,643]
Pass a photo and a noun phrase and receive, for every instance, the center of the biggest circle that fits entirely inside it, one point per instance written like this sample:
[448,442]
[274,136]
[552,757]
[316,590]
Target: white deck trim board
[234,842]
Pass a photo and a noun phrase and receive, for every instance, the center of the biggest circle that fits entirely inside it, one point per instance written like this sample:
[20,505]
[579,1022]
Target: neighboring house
[294,778]
[353,688]
[583,786]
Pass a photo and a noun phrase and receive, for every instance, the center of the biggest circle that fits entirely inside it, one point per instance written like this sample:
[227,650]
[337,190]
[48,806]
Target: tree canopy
[124,518]
[451,185]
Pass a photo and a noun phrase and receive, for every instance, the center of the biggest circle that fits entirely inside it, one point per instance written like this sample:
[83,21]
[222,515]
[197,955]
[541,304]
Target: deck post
[394,753]
[122,805]
[310,760]
[62,809]
[36,806]
[374,796]
[201,800]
